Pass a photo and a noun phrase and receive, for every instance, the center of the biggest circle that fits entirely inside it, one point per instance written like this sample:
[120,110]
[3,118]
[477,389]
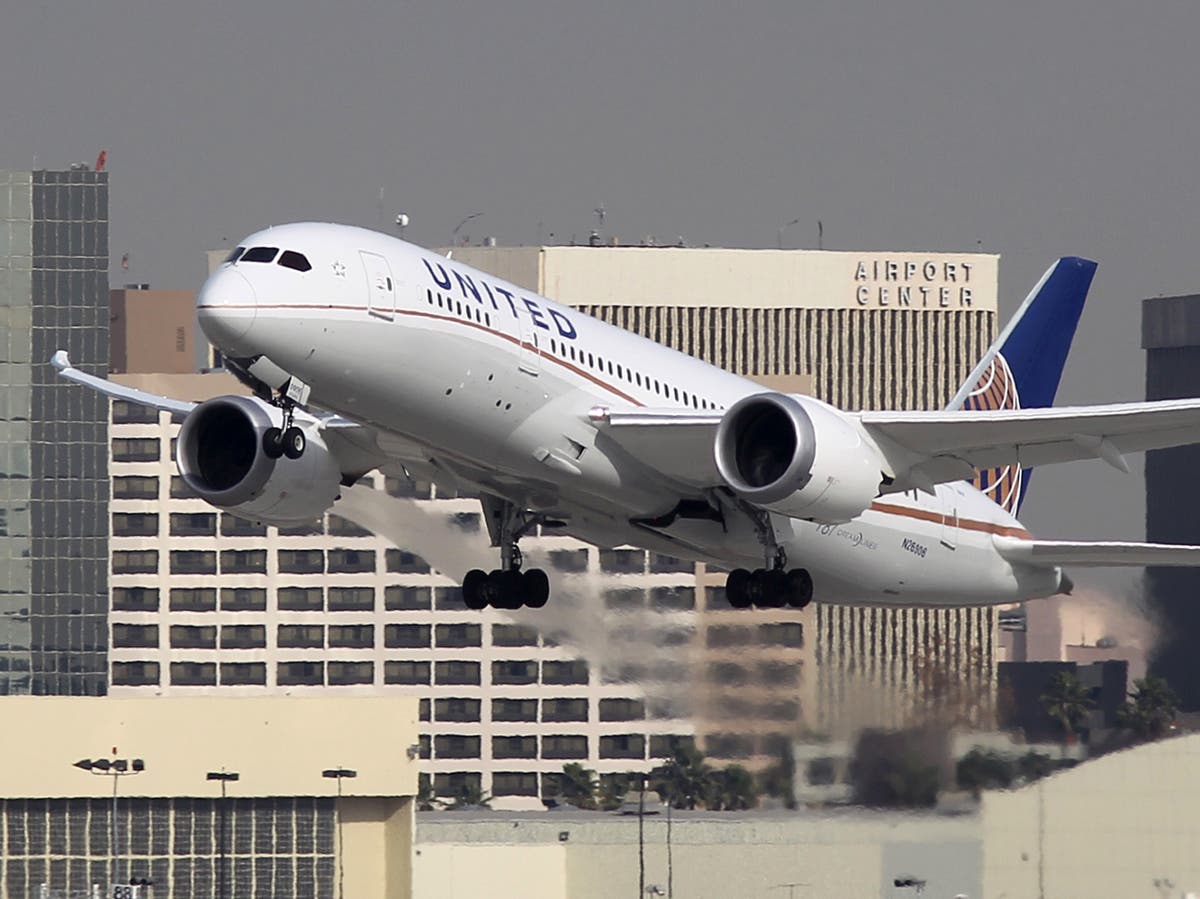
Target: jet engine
[220,455]
[797,456]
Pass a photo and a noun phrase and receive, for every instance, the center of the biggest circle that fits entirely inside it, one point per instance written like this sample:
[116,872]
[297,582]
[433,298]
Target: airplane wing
[677,442]
[925,448]
[62,364]
[1049,553]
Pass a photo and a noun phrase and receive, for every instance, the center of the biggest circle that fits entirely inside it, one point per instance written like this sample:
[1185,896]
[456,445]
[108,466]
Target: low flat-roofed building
[278,796]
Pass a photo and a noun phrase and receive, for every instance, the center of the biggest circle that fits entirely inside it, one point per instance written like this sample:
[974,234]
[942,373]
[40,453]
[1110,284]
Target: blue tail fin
[1021,370]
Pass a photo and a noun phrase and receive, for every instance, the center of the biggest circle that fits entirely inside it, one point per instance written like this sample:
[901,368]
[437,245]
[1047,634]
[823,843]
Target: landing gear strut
[771,587]
[288,440]
[506,587]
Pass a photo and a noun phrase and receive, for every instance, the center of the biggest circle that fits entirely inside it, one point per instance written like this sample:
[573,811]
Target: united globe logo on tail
[997,389]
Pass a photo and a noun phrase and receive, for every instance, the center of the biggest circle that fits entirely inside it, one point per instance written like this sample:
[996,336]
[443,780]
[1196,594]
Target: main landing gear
[288,440]
[506,587]
[769,588]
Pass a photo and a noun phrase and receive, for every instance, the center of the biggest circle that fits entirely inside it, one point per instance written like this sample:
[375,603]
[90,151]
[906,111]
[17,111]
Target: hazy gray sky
[1028,129]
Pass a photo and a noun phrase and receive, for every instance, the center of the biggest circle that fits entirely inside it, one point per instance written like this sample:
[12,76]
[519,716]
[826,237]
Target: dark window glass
[456,709]
[457,672]
[406,672]
[292,259]
[351,599]
[292,674]
[406,599]
[306,529]
[401,562]
[573,671]
[782,674]
[569,559]
[456,783]
[135,524]
[514,710]
[135,599]
[135,449]
[301,599]
[564,746]
[456,746]
[514,672]
[514,635]
[300,636]
[352,561]
[243,599]
[781,633]
[352,636]
[260,254]
[301,561]
[343,527]
[142,561]
[232,526]
[406,636]
[347,673]
[135,636]
[135,674]
[564,709]
[243,561]
[624,598]
[673,599]
[190,636]
[235,254]
[180,489]
[514,783]
[664,745]
[234,673]
[194,674]
[729,746]
[623,561]
[623,746]
[193,561]
[243,636]
[126,413]
[135,487]
[622,709]
[514,747]
[193,599]
[660,564]
[193,524]
[458,636]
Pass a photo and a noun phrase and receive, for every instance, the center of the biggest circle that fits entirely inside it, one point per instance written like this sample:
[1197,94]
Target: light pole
[223,777]
[459,226]
[782,228]
[116,769]
[339,774]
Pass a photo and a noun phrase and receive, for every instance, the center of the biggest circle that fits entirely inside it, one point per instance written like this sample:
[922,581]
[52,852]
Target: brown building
[152,330]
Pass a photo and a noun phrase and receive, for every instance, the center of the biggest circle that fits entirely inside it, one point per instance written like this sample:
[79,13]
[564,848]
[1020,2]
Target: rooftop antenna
[381,209]
[601,212]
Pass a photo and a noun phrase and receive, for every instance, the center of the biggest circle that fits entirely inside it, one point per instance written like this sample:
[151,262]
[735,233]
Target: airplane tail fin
[1022,368]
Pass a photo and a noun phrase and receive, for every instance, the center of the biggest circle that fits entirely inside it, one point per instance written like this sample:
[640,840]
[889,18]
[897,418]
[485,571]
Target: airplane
[365,352]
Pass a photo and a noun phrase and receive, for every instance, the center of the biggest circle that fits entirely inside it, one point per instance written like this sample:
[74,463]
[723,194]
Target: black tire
[474,590]
[737,588]
[535,586]
[294,443]
[773,593]
[493,588]
[272,443]
[799,588]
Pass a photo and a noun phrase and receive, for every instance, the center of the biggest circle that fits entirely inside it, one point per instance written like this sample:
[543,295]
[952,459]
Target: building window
[729,746]
[232,526]
[135,599]
[514,672]
[572,560]
[660,564]
[194,674]
[514,635]
[514,783]
[456,709]
[456,746]
[126,413]
[565,746]
[193,524]
[623,746]
[243,673]
[299,674]
[402,562]
[351,599]
[458,636]
[406,672]
[180,489]
[573,671]
[135,487]
[622,709]
[191,636]
[136,449]
[514,747]
[514,710]
[301,561]
[243,561]
[448,599]
[304,529]
[727,636]
[564,710]
[135,674]
[243,599]
[457,673]
[141,561]
[781,674]
[135,524]
[352,636]
[624,598]
[398,598]
[728,674]
[623,561]
[424,713]
[243,636]
[135,636]
[300,636]
[351,561]
[193,561]
[457,783]
[781,633]
[300,599]
[343,527]
[193,599]
[344,674]
[673,599]
[406,636]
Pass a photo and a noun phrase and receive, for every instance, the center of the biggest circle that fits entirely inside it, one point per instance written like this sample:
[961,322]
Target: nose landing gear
[288,440]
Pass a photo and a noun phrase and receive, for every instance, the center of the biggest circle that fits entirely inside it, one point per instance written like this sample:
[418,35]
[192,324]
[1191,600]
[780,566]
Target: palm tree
[577,786]
[1150,710]
[684,779]
[469,796]
[613,788]
[731,789]
[1067,701]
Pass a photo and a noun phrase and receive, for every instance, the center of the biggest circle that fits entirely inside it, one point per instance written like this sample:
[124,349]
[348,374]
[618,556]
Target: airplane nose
[226,307]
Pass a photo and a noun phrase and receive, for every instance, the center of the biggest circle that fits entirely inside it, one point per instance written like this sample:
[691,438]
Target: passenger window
[233,257]
[260,254]
[292,259]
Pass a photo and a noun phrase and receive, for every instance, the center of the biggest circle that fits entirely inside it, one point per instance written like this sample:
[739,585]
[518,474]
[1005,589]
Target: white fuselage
[493,385]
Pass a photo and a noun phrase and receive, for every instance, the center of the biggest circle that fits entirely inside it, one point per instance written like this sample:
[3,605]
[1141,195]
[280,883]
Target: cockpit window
[298,261]
[233,257]
[260,254]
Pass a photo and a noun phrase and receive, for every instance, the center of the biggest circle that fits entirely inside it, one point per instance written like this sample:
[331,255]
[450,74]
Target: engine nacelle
[220,456]
[796,456]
